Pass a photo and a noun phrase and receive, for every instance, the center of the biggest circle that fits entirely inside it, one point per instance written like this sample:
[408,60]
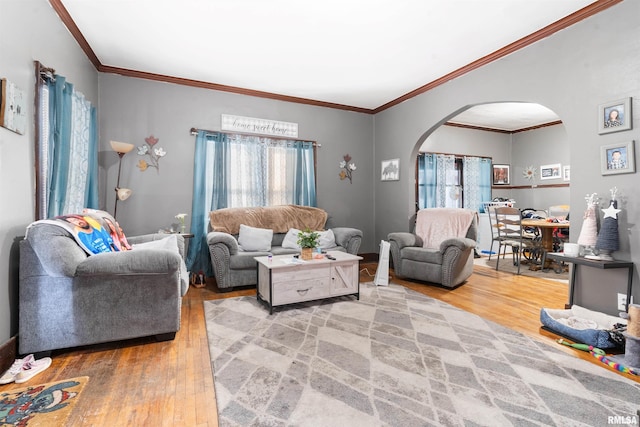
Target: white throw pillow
[167,243]
[327,239]
[253,239]
[290,240]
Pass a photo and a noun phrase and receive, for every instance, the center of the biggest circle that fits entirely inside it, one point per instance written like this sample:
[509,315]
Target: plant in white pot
[308,241]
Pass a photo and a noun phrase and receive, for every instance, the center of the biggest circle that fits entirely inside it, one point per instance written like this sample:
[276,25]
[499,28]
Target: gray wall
[132,109]
[30,30]
[571,72]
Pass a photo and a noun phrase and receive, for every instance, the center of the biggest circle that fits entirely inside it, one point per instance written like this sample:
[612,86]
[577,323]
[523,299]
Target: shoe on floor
[31,369]
[10,375]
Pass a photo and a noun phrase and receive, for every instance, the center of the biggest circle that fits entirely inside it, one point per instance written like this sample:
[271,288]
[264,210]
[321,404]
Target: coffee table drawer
[300,290]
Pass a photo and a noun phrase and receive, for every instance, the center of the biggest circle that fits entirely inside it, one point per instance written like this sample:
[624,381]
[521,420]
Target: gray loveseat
[234,267]
[68,298]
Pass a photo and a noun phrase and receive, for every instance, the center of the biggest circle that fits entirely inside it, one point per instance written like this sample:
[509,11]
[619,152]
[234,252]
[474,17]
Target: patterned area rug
[43,405]
[397,358]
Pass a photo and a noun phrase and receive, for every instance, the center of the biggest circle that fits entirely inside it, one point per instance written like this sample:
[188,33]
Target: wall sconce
[121,148]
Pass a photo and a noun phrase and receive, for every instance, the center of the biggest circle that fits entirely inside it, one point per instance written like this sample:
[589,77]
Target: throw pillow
[290,240]
[169,243]
[327,239]
[252,239]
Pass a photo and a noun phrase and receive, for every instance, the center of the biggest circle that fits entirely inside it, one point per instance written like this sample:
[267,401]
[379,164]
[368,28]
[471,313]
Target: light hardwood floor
[147,383]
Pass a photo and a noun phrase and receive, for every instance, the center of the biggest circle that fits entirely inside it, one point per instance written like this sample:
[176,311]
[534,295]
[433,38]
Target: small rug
[43,405]
[506,265]
[397,358]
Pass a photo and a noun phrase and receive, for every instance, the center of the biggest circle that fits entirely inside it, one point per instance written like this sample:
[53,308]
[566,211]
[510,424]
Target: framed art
[13,107]
[390,170]
[614,116]
[566,173]
[550,171]
[617,158]
[501,175]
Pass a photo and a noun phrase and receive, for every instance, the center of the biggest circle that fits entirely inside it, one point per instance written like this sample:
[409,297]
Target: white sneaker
[10,375]
[31,369]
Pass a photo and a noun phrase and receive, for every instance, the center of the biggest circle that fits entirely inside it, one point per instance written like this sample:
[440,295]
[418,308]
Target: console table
[283,279]
[560,257]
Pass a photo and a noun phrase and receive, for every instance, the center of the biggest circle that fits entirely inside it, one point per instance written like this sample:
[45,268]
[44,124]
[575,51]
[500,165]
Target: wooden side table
[560,257]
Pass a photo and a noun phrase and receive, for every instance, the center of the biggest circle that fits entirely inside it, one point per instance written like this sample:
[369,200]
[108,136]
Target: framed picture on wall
[617,158]
[550,171]
[566,173]
[614,116]
[501,175]
[390,170]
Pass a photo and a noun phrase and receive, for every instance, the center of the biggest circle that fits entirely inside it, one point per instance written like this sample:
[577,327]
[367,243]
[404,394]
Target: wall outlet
[622,302]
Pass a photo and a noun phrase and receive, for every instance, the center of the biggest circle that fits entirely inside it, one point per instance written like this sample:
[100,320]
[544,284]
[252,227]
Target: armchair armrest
[404,239]
[461,243]
[138,261]
[221,247]
[349,238]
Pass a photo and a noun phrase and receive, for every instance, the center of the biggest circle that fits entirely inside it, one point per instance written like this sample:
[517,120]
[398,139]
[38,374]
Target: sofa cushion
[244,260]
[433,256]
[253,239]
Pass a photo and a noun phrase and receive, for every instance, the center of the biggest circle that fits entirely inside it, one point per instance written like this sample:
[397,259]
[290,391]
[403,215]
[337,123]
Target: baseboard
[369,257]
[8,353]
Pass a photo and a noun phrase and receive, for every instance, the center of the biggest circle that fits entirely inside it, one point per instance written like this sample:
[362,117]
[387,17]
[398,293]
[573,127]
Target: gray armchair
[68,298]
[450,261]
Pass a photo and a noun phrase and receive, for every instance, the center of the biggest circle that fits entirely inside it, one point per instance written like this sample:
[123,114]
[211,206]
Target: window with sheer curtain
[235,170]
[66,147]
[449,181]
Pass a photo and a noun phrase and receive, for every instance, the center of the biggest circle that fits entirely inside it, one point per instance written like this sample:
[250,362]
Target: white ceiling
[358,53]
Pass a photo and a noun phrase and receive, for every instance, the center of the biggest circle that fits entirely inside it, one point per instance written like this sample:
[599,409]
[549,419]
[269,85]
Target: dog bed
[583,326]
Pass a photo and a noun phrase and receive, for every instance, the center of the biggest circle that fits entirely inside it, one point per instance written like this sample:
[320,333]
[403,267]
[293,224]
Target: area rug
[506,265]
[397,358]
[43,405]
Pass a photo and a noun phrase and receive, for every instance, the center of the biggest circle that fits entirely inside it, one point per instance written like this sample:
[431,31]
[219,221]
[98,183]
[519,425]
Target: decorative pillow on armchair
[252,239]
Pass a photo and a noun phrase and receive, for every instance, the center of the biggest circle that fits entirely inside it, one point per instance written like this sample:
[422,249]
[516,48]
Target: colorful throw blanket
[277,218]
[436,225]
[95,231]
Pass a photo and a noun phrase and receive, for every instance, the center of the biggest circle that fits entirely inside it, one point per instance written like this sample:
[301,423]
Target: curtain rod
[194,131]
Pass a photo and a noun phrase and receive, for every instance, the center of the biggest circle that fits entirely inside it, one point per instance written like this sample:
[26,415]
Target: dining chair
[511,234]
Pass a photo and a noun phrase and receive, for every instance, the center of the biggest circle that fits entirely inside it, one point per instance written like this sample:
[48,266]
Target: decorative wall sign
[13,112]
[258,126]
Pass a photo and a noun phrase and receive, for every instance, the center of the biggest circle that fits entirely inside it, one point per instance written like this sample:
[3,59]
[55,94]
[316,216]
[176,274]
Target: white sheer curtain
[447,182]
[79,154]
[43,152]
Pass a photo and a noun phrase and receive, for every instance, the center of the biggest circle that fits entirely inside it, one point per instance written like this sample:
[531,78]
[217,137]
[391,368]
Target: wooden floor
[146,383]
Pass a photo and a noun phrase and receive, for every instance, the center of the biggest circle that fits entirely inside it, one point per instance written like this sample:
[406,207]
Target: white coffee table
[284,279]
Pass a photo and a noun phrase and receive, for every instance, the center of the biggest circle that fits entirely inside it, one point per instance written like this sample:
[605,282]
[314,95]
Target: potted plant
[308,241]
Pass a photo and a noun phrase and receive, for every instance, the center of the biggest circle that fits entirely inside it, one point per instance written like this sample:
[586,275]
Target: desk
[558,257]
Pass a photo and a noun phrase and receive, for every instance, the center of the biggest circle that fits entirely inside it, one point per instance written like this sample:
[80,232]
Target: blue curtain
[60,136]
[427,181]
[209,193]
[304,186]
[58,145]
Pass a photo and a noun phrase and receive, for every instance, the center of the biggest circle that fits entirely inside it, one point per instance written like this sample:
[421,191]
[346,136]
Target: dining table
[546,230]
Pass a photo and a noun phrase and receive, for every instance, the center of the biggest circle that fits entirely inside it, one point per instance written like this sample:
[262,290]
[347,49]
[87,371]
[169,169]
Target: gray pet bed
[582,325]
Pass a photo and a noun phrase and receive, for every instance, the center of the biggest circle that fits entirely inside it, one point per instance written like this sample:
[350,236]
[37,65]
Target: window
[446,180]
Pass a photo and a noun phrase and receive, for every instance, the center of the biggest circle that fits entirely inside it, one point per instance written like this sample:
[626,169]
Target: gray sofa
[68,298]
[234,267]
[449,264]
